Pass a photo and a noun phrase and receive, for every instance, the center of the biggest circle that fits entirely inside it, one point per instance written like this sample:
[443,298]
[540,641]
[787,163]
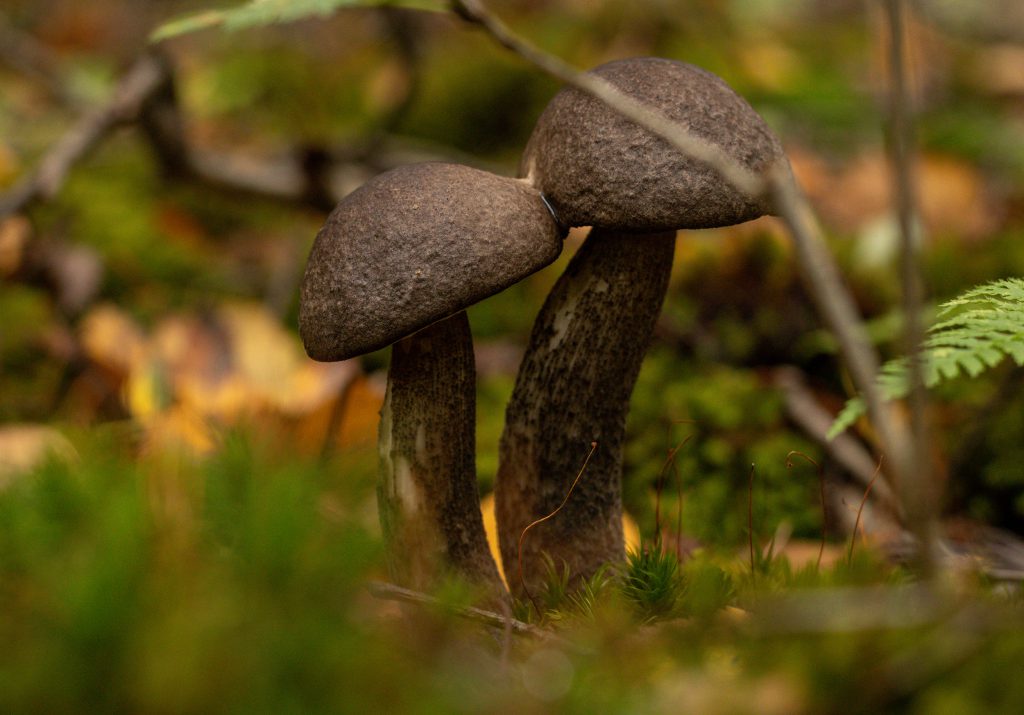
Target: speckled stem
[573,388]
[427,494]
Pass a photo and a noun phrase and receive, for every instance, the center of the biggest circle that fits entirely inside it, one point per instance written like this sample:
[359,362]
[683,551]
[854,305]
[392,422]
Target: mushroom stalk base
[427,494]
[573,388]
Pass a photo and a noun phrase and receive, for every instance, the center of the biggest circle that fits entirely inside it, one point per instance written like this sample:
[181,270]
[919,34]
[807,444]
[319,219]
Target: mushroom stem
[427,494]
[573,388]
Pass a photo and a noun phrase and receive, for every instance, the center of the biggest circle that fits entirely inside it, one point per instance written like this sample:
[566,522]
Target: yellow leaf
[178,431]
[111,338]
[631,530]
[23,447]
[147,392]
[14,234]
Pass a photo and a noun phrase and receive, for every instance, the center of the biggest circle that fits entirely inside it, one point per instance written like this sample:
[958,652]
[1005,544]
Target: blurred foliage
[235,582]
[199,537]
[733,422]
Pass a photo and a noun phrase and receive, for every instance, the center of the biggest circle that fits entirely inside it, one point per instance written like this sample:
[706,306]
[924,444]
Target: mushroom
[598,169]
[397,262]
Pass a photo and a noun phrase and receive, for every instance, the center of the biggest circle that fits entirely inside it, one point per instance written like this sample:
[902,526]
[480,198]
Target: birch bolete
[598,169]
[397,262]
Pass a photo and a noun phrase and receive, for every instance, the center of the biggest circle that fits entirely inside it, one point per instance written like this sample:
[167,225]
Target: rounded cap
[598,168]
[415,245]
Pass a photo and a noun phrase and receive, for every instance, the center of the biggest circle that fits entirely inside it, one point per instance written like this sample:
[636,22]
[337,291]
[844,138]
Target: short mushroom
[598,169]
[397,262]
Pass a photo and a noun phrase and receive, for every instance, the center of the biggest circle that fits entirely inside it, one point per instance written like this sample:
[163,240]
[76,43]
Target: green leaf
[850,413]
[259,13]
[977,331]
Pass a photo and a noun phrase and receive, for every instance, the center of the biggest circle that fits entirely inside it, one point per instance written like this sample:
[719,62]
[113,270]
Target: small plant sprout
[824,503]
[750,516]
[597,168]
[397,262]
[860,509]
[670,463]
[652,582]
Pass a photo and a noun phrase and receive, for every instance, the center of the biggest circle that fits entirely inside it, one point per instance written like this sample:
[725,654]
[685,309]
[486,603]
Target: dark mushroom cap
[598,168]
[415,245]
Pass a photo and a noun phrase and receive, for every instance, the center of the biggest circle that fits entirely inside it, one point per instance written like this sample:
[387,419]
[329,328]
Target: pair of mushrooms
[400,259]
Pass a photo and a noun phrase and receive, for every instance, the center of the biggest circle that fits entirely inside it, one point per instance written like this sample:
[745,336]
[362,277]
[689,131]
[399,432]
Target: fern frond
[976,331]
[259,13]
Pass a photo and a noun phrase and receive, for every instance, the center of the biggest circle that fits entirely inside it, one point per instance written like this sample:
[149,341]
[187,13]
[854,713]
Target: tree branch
[803,409]
[391,592]
[146,96]
[142,79]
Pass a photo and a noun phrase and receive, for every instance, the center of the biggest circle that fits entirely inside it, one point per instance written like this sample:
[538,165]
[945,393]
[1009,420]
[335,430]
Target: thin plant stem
[824,504]
[670,461]
[750,517]
[679,512]
[860,509]
[522,535]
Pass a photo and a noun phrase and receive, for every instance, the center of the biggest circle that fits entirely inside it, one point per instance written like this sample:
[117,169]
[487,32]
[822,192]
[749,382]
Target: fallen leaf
[23,447]
[112,339]
[14,234]
[629,526]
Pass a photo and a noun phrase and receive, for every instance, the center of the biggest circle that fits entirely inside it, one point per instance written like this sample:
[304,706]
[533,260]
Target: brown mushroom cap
[598,168]
[415,245]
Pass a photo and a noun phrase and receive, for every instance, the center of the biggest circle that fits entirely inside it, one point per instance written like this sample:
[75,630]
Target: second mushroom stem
[427,494]
[573,388]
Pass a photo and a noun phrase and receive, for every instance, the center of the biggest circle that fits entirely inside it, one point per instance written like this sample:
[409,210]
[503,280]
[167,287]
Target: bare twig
[916,485]
[833,301]
[846,451]
[835,305]
[146,96]
[391,592]
[848,610]
[746,181]
[139,83]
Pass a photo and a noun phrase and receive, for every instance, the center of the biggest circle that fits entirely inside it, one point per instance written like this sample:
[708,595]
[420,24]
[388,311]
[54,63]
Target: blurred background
[148,305]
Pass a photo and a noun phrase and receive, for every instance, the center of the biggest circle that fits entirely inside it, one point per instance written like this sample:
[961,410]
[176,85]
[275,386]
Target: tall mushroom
[599,169]
[397,262]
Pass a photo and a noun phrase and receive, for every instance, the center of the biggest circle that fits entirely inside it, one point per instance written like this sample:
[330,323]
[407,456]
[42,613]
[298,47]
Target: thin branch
[833,301]
[138,84]
[746,181]
[845,450]
[391,592]
[146,96]
[917,485]
[850,610]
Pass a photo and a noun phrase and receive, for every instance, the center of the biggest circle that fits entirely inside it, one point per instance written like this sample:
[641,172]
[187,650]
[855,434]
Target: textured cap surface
[598,168]
[413,246]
